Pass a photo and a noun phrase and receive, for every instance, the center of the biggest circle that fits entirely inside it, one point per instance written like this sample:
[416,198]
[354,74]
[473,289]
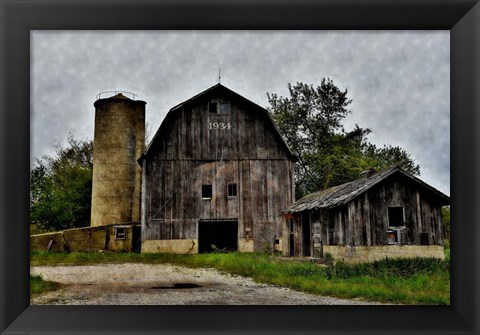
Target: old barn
[216,175]
[385,214]
[219,176]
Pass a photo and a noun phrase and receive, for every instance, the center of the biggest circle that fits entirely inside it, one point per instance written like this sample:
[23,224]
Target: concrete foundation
[279,246]
[245,245]
[170,246]
[361,254]
[190,246]
[89,239]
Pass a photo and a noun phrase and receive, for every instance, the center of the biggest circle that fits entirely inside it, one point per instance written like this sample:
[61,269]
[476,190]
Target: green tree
[61,188]
[310,119]
[389,156]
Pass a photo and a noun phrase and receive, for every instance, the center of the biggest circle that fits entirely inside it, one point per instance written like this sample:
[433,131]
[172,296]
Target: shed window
[232,190]
[206,191]
[396,217]
[212,107]
[119,233]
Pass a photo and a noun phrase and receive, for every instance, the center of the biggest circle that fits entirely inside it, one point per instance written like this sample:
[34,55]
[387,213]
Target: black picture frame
[18,18]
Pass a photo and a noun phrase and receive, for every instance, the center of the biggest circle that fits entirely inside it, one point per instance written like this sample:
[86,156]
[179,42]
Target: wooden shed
[385,214]
[217,175]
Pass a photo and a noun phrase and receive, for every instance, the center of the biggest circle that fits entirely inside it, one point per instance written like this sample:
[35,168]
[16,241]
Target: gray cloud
[398,81]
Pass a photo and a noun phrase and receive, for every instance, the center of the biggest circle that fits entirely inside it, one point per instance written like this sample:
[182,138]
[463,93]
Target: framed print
[20,19]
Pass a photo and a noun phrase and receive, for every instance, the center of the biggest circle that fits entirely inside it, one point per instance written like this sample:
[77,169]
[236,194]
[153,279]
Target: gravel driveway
[145,284]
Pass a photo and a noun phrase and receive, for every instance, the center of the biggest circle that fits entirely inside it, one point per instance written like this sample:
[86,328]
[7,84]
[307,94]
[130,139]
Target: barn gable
[222,130]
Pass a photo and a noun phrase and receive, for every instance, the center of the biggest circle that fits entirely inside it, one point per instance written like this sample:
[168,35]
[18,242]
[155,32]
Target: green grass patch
[447,251]
[405,281]
[39,286]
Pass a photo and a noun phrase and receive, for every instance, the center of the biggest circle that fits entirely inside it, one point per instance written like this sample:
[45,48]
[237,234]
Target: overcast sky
[399,81]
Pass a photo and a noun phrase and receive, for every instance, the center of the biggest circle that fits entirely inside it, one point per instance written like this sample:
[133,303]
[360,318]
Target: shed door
[291,234]
[307,234]
[136,238]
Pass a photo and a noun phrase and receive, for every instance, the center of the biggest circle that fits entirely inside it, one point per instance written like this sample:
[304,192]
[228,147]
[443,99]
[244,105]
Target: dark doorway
[292,238]
[292,245]
[136,239]
[217,236]
[306,234]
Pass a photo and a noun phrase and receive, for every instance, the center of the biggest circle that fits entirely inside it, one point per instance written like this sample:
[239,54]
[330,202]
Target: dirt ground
[145,284]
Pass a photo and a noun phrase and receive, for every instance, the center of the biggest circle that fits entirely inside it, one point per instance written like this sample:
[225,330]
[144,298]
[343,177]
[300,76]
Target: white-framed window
[120,233]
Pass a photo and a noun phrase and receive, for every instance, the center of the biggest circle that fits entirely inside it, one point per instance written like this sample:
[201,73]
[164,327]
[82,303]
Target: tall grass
[406,281]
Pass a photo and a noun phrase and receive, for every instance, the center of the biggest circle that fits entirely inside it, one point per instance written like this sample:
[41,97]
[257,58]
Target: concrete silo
[119,140]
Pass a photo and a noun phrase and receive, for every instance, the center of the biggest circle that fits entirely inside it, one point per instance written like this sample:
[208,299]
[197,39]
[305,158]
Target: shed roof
[218,87]
[341,194]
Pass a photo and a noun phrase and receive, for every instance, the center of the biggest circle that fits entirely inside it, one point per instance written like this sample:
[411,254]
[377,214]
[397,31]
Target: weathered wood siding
[364,220]
[188,154]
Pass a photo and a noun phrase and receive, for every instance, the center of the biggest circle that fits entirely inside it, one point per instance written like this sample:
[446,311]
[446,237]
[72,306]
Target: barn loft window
[212,107]
[224,108]
[206,191]
[119,233]
[232,189]
[396,217]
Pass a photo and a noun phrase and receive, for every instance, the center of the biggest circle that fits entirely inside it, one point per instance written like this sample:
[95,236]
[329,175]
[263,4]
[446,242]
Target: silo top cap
[117,95]
[120,96]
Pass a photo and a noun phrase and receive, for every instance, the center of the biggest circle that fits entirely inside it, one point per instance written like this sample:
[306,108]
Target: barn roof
[218,87]
[341,194]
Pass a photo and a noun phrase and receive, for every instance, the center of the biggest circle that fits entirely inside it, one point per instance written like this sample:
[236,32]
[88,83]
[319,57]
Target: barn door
[217,236]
